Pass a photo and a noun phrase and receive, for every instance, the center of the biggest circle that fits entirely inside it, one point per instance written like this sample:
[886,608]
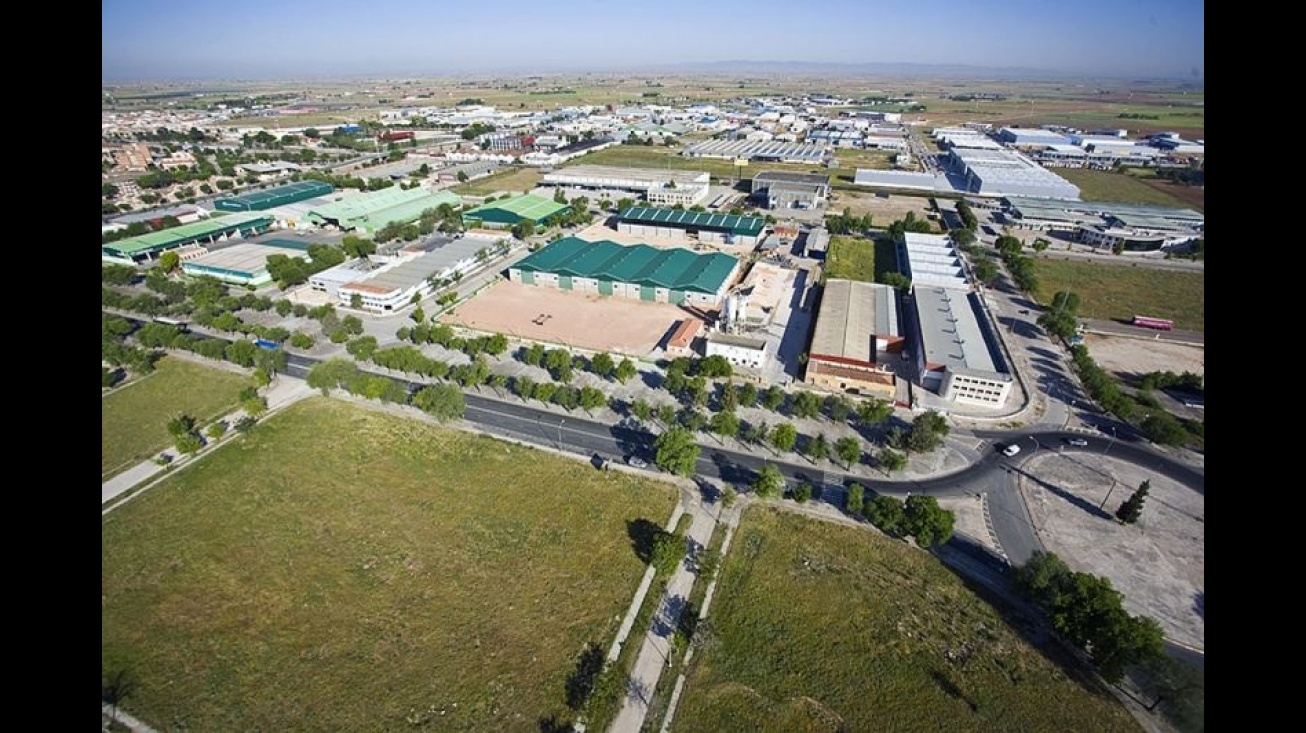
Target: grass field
[514,179]
[850,258]
[134,419]
[343,569]
[876,159]
[1121,291]
[823,627]
[1117,188]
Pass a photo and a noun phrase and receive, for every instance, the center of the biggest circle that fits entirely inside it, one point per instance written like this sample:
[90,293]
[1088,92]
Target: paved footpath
[654,656]
[284,391]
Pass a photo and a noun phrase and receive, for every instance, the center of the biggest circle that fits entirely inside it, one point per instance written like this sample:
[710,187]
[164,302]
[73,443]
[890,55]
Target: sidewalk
[655,655]
[283,391]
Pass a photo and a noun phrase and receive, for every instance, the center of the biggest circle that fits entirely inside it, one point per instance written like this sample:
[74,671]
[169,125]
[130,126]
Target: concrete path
[123,719]
[654,656]
[283,391]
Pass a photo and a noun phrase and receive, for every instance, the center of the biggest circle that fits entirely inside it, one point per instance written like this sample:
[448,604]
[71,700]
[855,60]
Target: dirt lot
[1127,356]
[1158,563]
[584,320]
[883,211]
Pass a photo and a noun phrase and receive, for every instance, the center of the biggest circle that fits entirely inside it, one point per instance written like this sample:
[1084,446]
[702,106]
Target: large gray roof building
[958,354]
[856,322]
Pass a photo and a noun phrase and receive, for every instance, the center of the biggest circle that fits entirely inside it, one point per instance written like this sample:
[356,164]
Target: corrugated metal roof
[186,233]
[852,313]
[674,268]
[745,225]
[535,208]
[287,194]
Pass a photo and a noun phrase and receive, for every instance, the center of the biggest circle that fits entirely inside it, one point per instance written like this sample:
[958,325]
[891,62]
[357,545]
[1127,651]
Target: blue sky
[269,39]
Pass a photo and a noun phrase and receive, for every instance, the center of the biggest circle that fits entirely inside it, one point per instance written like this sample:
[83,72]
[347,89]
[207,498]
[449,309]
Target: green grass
[850,258]
[824,627]
[134,419]
[1120,188]
[343,569]
[515,179]
[1121,291]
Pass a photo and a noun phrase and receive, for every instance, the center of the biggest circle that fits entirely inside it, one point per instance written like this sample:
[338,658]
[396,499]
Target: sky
[284,39]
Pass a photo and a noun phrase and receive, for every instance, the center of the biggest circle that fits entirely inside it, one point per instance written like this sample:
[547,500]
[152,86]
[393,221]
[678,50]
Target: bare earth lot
[586,320]
[884,211]
[1158,563]
[1139,356]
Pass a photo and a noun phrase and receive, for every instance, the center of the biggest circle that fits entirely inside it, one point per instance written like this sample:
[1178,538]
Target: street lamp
[1111,442]
[560,424]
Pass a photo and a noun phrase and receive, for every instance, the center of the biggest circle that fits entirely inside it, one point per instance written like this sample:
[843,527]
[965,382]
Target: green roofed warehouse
[507,212]
[716,228]
[149,246]
[370,212]
[640,272]
[279,196]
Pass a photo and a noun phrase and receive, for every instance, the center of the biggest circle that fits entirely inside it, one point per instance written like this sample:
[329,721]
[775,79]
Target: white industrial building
[775,152]
[389,286]
[739,350]
[874,178]
[957,355]
[1005,172]
[932,260]
[658,187]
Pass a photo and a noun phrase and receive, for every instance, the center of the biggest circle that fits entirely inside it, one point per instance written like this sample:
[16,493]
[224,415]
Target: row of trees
[1020,266]
[919,517]
[1087,611]
[846,223]
[443,402]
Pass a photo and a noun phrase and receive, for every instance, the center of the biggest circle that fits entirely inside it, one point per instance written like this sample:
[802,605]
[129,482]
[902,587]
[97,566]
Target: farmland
[1120,291]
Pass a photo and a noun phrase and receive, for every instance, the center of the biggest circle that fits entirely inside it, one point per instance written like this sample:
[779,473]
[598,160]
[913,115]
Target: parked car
[1011,450]
[1077,442]
[636,462]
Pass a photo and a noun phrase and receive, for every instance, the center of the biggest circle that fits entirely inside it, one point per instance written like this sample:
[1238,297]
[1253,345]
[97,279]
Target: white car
[1077,442]
[1011,450]
[636,462]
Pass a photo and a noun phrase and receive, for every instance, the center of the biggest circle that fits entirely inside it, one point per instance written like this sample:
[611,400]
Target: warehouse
[784,190]
[739,350]
[931,259]
[371,212]
[658,187]
[149,246]
[958,357]
[856,330]
[470,171]
[279,196]
[715,228]
[245,263]
[1008,173]
[505,213]
[873,178]
[1071,216]
[769,151]
[639,272]
[1022,136]
[392,285]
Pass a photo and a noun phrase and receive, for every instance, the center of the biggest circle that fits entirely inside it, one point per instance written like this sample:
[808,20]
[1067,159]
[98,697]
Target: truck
[265,344]
[1159,324]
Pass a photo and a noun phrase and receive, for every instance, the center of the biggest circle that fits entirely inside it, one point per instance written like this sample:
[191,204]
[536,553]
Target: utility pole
[1108,493]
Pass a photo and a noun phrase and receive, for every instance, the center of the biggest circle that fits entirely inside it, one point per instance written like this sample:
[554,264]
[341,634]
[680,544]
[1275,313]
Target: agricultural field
[514,179]
[340,568]
[1120,188]
[134,418]
[1120,291]
[852,159]
[824,627]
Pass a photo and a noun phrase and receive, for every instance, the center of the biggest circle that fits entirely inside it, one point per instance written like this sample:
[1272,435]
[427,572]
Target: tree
[728,496]
[1132,508]
[855,500]
[886,513]
[818,448]
[891,460]
[849,450]
[754,433]
[169,261]
[784,436]
[773,397]
[331,374]
[444,402]
[874,411]
[602,365]
[188,443]
[714,367]
[769,483]
[927,432]
[925,520]
[592,398]
[668,551]
[558,362]
[666,415]
[676,451]
[803,493]
[725,424]
[963,237]
[807,405]
[1164,429]
[625,370]
[838,407]
[462,176]
[747,394]
[641,410]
